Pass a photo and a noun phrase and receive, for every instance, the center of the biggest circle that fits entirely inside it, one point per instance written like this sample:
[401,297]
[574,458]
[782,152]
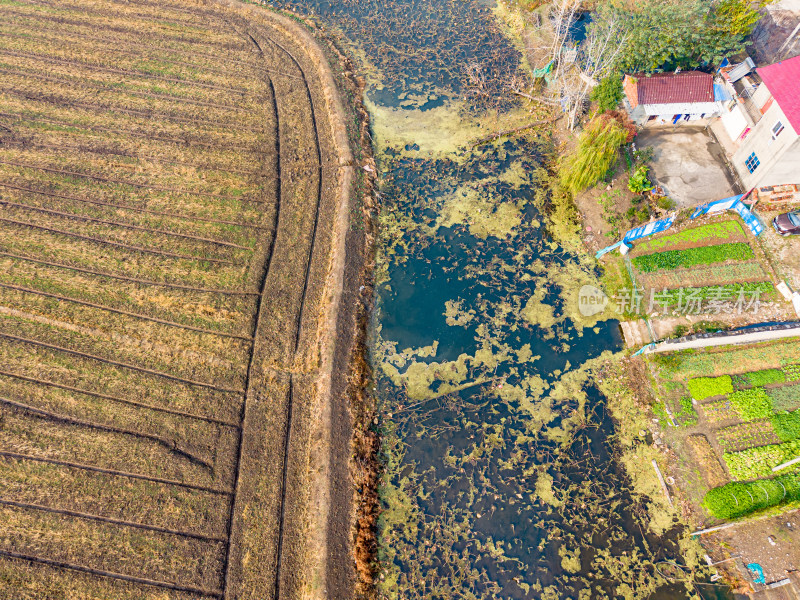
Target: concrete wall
[778,158]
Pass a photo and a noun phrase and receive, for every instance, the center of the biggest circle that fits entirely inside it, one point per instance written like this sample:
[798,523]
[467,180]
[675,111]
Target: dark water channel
[501,478]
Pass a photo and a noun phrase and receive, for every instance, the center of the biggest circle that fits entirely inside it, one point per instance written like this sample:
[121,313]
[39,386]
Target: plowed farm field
[169,184]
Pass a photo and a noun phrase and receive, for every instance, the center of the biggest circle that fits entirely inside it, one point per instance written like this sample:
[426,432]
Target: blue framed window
[752,162]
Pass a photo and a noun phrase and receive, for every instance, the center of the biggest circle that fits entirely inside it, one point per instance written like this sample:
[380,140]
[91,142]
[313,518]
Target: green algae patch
[538,312]
[442,131]
[570,559]
[485,214]
[425,381]
[456,315]
[544,490]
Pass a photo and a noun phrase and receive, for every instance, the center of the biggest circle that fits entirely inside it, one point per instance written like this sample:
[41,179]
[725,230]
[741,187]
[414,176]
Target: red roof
[783,81]
[671,88]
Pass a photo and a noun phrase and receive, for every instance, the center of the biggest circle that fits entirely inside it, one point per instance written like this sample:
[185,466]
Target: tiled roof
[672,88]
[783,81]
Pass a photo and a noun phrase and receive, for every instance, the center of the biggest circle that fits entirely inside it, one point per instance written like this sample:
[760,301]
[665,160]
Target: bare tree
[597,58]
[577,68]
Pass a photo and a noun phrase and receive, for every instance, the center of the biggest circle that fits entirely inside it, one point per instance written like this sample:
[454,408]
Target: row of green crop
[705,387]
[674,259]
[739,499]
[760,403]
[786,425]
[710,232]
[759,461]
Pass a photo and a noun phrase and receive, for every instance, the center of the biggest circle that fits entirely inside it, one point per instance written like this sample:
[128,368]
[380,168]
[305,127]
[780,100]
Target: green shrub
[705,387]
[638,182]
[608,93]
[787,425]
[766,376]
[785,398]
[758,462]
[751,404]
[739,499]
[674,259]
[666,203]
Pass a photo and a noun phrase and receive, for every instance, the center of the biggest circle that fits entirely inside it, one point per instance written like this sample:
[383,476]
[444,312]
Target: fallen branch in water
[499,134]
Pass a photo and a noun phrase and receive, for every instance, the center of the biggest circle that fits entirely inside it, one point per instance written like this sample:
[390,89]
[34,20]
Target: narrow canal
[501,473]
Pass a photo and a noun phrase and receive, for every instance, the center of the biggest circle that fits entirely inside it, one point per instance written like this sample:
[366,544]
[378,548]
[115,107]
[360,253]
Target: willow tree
[597,149]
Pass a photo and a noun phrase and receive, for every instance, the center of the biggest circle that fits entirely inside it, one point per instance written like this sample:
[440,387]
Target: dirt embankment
[350,456]
[327,543]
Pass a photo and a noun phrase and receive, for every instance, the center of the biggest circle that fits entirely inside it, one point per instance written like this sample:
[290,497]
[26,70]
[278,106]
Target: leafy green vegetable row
[705,387]
[739,499]
[759,403]
[674,259]
[759,461]
[712,231]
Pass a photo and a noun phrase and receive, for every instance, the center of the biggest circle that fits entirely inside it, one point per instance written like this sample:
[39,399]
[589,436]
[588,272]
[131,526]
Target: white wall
[694,108]
[761,95]
[778,158]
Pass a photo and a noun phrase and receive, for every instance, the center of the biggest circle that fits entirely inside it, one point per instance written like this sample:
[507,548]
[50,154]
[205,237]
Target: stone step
[635,333]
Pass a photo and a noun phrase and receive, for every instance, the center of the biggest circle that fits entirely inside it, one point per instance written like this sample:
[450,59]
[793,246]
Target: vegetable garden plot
[705,255]
[746,435]
[718,411]
[785,397]
[705,235]
[758,462]
[699,276]
[739,499]
[707,459]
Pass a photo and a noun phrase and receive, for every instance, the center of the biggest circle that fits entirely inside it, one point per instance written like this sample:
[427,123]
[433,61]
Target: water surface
[501,479]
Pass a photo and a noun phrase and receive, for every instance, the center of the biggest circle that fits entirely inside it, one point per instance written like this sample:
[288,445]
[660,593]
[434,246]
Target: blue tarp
[749,217]
[715,206]
[608,249]
[721,93]
[640,232]
[757,572]
[649,229]
[732,203]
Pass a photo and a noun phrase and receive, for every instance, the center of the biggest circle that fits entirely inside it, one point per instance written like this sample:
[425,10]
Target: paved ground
[742,338]
[688,163]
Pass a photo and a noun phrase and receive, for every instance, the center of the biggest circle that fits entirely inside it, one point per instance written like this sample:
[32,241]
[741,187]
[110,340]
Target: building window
[752,162]
[776,130]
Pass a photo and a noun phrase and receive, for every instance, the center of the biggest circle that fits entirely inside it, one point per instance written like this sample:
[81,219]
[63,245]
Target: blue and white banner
[732,203]
[716,206]
[649,229]
[608,249]
[749,217]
